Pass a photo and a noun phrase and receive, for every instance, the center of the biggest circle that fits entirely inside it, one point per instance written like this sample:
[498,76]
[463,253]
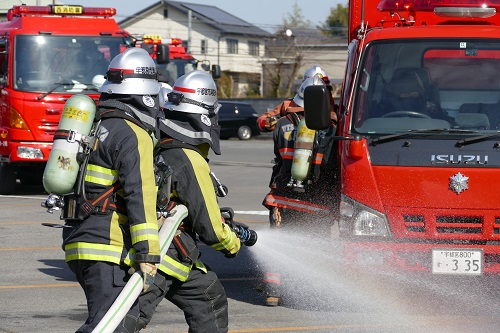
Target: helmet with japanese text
[191,111]
[194,92]
[132,72]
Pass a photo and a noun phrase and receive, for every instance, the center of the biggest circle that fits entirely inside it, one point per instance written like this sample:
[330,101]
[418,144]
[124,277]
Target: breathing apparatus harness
[77,206]
[321,147]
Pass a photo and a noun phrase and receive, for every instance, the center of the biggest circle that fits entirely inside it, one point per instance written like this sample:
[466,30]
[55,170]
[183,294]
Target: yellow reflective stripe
[130,258]
[201,266]
[224,234]
[144,232]
[115,231]
[93,251]
[174,268]
[224,244]
[100,175]
[147,231]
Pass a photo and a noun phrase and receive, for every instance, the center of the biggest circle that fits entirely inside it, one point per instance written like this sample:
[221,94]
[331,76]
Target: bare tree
[283,71]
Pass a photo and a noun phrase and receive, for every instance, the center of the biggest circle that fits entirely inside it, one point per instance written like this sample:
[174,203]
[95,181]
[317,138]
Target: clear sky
[266,14]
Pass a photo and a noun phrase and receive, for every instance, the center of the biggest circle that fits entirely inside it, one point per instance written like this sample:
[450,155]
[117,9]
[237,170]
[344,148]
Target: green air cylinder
[62,167]
[302,156]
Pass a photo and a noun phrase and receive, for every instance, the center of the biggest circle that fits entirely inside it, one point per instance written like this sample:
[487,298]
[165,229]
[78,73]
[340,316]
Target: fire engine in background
[48,54]
[419,136]
[172,59]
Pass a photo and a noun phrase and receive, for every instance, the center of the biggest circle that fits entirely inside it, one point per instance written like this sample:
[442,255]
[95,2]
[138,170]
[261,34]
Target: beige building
[210,34]
[244,51]
[240,48]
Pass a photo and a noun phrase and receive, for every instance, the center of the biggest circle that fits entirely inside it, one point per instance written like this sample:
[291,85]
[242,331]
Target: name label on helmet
[206,91]
[145,70]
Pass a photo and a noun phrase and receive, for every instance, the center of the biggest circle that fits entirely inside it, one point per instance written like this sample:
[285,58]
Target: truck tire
[7,179]
[31,177]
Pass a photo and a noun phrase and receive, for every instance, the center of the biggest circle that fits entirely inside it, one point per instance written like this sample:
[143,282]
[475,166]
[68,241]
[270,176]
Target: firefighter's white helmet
[132,72]
[314,80]
[164,91]
[316,70]
[194,92]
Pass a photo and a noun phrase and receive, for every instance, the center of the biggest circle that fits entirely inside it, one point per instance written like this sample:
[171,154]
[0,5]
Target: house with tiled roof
[211,35]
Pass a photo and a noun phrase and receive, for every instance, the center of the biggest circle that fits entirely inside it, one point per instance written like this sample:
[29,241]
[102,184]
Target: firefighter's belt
[102,203]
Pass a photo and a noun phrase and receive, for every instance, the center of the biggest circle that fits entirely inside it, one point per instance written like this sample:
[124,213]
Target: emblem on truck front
[459,183]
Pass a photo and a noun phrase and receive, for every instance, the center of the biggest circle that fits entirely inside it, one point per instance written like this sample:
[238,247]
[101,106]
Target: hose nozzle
[247,236]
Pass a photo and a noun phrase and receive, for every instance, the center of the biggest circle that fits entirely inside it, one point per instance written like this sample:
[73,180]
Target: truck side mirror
[317,107]
[216,71]
[162,54]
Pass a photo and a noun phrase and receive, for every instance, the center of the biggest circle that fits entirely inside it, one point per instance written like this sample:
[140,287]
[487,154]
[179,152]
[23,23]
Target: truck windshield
[174,69]
[428,85]
[42,63]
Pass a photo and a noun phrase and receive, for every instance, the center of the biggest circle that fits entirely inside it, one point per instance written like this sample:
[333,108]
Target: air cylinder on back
[62,167]
[303,151]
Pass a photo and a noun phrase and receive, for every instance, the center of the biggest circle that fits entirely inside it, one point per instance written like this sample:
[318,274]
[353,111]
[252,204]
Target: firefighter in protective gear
[117,209]
[285,203]
[267,121]
[190,129]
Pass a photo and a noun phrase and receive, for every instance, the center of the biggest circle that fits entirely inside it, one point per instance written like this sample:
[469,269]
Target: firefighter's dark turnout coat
[193,187]
[124,154]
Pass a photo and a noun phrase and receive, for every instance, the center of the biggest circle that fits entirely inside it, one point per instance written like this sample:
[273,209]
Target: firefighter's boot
[275,217]
[272,283]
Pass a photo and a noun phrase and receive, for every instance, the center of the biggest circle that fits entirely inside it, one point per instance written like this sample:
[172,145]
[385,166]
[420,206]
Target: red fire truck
[172,58]
[47,54]
[419,136]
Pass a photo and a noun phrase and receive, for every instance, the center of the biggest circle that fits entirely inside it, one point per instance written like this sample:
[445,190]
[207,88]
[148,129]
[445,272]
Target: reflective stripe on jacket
[192,186]
[294,204]
[124,153]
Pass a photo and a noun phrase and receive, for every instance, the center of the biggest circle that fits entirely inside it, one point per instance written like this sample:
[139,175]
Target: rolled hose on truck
[134,286]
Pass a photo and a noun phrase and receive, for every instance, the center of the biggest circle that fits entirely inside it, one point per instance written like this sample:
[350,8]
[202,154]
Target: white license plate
[457,261]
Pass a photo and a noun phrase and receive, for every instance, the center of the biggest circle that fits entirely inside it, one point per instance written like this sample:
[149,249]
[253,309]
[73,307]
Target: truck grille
[447,224]
[49,128]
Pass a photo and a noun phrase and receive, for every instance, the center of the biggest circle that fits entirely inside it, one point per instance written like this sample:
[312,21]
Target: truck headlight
[29,152]
[359,220]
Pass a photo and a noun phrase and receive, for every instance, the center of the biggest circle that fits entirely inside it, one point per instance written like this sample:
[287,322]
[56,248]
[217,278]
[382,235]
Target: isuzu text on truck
[419,136]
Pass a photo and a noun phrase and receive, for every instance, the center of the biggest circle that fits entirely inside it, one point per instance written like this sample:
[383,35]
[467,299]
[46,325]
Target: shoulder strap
[170,143]
[116,113]
[294,118]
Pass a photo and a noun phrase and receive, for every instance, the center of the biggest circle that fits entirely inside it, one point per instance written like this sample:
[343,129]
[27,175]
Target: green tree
[337,22]
[295,19]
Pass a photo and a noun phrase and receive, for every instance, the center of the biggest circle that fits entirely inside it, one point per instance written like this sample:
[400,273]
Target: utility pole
[190,18]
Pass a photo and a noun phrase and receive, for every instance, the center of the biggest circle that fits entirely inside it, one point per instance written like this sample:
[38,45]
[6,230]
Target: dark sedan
[238,119]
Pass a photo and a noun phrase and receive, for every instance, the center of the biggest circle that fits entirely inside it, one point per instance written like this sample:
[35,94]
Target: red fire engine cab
[172,58]
[47,54]
[419,136]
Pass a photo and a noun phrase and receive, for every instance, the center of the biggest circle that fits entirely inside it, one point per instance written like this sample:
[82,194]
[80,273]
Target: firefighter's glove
[271,122]
[230,255]
[148,274]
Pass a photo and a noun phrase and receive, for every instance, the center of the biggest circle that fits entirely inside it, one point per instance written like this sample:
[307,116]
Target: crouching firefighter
[112,209]
[302,177]
[189,130]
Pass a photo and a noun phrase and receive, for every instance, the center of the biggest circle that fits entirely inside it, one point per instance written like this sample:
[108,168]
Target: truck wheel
[7,179]
[31,178]
[244,133]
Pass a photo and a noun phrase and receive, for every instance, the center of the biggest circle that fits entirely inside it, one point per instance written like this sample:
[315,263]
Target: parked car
[237,119]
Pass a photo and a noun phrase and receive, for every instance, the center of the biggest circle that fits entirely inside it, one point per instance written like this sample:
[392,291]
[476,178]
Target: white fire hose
[134,286]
